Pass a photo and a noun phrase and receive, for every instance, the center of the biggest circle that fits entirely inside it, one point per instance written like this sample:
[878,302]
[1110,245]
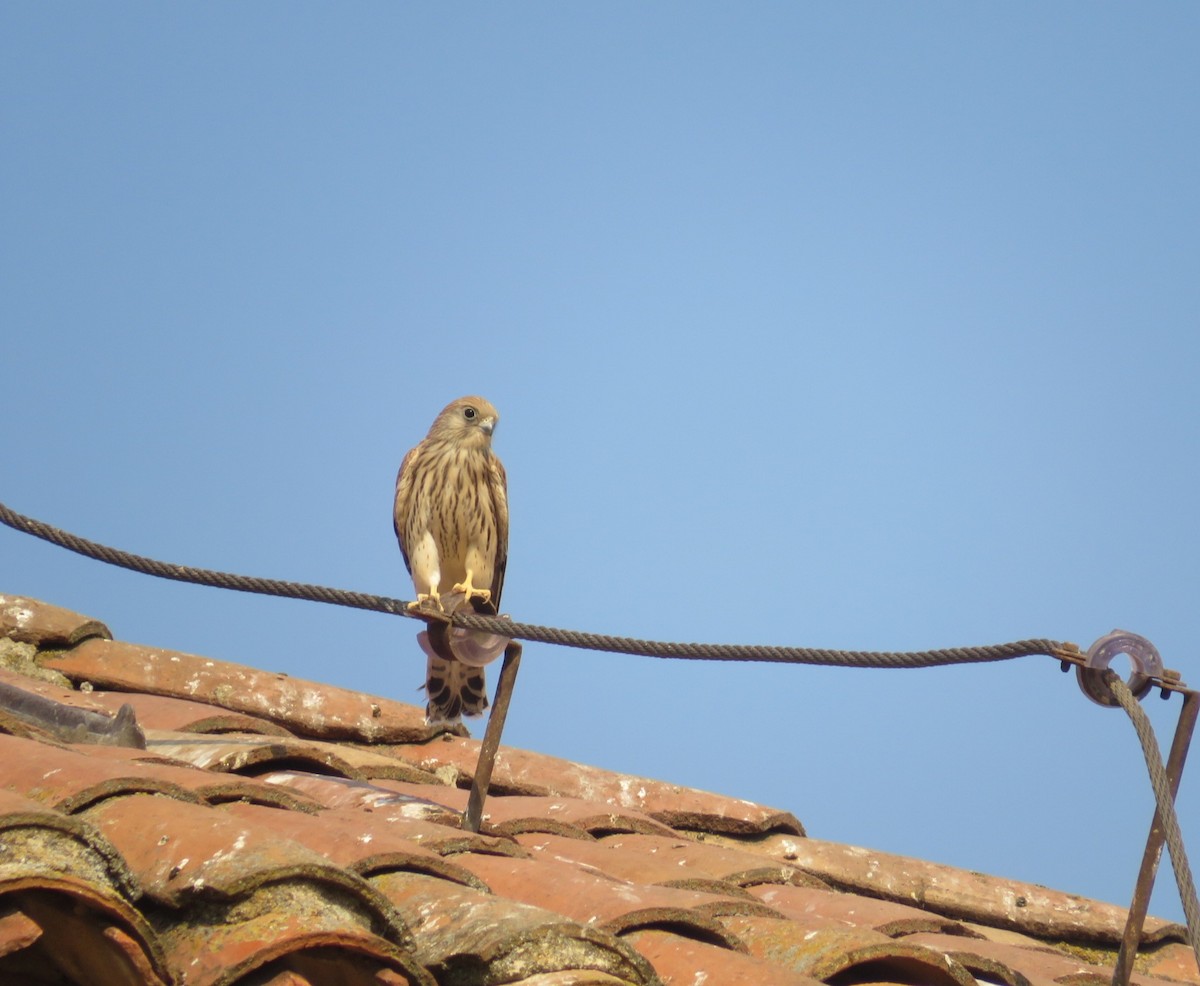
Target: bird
[451,519]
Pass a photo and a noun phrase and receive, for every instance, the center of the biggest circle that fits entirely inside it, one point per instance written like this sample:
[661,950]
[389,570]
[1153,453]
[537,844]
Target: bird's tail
[454,689]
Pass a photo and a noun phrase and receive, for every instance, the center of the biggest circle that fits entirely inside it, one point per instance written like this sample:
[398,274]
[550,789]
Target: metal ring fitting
[1147,666]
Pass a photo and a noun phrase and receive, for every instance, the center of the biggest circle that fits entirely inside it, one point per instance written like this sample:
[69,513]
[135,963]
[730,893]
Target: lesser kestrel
[451,518]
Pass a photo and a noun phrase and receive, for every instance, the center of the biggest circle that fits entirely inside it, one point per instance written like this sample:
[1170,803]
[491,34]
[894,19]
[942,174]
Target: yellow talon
[426,597]
[470,592]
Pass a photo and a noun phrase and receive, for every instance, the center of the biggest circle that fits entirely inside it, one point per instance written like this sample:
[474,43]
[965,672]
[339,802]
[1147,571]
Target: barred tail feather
[454,689]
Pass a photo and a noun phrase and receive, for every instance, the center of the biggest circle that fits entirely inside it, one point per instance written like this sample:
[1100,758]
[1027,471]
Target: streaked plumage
[451,518]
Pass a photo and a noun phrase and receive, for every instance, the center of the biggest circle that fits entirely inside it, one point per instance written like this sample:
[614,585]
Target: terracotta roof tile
[39,842]
[523,772]
[1174,960]
[686,960]
[283,832]
[30,621]
[364,842]
[1012,904]
[303,707]
[570,817]
[468,936]
[668,861]
[615,905]
[252,754]
[846,953]
[208,786]
[1039,966]
[184,716]
[837,909]
[71,925]
[571,977]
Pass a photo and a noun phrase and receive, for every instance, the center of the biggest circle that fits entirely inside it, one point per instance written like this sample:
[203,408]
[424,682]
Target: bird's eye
[469,413]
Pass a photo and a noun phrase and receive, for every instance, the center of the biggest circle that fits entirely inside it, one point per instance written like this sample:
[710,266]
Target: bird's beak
[488,425]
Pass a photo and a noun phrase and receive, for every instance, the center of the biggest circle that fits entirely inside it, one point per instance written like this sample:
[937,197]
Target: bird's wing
[498,488]
[404,499]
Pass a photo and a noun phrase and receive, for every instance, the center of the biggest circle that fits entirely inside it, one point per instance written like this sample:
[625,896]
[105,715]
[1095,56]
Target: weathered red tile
[467,936]
[362,841]
[38,841]
[181,852]
[860,955]
[205,785]
[83,930]
[289,935]
[415,801]
[30,621]
[572,977]
[1174,960]
[70,780]
[56,692]
[960,894]
[255,754]
[523,772]
[614,905]
[184,716]
[340,828]
[422,822]
[831,908]
[452,800]
[514,813]
[674,860]
[510,815]
[1040,966]
[303,707]
[688,962]
[17,930]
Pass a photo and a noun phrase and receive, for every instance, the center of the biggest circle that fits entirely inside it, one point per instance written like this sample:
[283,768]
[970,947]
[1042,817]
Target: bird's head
[467,421]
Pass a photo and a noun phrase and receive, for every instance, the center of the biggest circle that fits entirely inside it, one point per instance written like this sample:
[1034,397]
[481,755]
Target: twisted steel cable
[531,631]
[1166,805]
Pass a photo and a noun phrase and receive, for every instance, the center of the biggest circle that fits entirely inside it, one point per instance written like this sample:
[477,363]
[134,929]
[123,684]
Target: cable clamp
[1143,655]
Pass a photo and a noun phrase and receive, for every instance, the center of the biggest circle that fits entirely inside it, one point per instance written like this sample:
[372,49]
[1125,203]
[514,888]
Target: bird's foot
[469,591]
[427,600]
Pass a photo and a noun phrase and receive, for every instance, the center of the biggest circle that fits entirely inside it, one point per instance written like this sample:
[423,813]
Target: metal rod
[1154,843]
[491,737]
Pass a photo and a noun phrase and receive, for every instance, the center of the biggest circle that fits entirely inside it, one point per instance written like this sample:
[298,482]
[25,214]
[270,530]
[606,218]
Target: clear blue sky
[860,325]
